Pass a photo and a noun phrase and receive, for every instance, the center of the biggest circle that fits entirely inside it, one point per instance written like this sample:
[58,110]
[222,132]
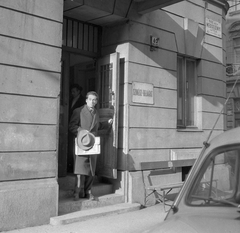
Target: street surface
[130,222]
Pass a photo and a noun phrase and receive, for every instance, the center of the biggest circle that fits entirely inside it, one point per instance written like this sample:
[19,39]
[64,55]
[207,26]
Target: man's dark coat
[79,103]
[82,118]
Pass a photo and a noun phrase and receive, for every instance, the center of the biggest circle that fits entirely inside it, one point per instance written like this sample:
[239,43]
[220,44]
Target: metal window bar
[80,35]
[69,33]
[105,76]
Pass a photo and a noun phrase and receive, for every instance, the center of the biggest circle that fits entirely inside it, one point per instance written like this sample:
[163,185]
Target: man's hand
[110,121]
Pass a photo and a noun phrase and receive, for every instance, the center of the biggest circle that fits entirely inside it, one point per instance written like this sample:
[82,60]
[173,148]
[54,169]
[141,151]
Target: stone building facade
[159,68]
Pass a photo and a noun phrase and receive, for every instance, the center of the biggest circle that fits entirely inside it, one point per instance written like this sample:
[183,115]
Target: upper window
[233,50]
[236,49]
[234,5]
[186,85]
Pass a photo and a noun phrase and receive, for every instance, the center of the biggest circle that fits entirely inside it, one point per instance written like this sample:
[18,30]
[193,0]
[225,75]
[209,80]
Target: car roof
[229,137]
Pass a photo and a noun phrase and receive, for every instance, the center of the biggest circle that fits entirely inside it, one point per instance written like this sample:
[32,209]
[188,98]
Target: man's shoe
[76,197]
[76,194]
[82,193]
[89,196]
[79,193]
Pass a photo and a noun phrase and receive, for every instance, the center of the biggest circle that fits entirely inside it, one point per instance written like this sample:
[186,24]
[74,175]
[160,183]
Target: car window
[219,181]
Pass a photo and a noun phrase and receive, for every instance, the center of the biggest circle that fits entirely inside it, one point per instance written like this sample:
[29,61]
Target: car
[209,200]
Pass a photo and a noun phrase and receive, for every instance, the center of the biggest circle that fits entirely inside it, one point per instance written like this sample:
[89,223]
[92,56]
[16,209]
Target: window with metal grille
[234,5]
[106,85]
[236,48]
[236,112]
[80,35]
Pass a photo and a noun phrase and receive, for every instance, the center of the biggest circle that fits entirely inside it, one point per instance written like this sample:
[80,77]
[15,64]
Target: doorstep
[68,205]
[103,192]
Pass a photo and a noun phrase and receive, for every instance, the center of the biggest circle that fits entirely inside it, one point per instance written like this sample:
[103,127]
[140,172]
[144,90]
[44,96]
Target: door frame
[63,116]
[111,68]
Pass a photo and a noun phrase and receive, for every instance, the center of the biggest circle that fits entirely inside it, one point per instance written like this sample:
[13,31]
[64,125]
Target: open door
[108,104]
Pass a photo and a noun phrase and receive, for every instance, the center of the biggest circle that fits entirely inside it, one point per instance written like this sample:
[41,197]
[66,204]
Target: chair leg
[164,200]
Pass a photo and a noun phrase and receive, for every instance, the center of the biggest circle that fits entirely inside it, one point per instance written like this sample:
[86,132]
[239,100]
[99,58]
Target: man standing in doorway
[86,118]
[77,99]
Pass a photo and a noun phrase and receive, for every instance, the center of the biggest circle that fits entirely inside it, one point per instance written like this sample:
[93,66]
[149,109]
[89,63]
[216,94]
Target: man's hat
[85,139]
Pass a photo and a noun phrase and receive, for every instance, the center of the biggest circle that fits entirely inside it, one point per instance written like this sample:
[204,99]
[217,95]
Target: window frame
[183,112]
[234,6]
[236,50]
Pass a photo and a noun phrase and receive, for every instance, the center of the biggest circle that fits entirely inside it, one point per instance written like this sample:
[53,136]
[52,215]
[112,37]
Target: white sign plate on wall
[213,27]
[142,93]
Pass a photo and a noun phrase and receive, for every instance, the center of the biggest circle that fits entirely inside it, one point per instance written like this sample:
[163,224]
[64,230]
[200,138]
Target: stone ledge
[27,203]
[94,213]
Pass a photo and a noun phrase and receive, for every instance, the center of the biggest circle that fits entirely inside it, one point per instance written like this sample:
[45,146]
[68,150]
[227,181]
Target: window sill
[236,12]
[189,129]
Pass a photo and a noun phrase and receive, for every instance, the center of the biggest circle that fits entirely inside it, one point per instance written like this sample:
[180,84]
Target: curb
[79,216]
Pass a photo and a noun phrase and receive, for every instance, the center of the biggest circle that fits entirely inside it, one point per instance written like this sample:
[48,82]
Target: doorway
[100,75]
[82,64]
[76,69]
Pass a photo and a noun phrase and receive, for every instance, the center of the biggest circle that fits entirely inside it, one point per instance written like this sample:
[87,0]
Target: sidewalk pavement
[134,221]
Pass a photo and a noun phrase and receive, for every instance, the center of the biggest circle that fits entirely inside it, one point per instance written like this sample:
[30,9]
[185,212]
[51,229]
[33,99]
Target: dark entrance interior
[76,69]
[81,48]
